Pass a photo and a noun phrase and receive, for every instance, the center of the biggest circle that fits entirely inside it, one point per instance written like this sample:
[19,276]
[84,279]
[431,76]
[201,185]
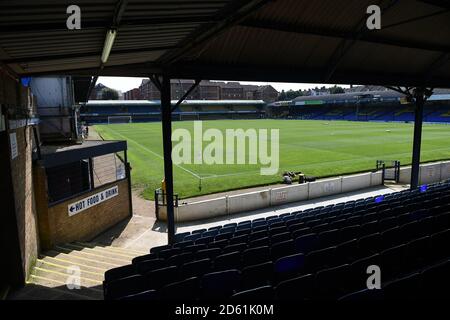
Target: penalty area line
[156,154]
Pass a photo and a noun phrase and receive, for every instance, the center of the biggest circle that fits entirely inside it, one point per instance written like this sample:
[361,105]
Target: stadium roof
[439,94]
[320,41]
[351,95]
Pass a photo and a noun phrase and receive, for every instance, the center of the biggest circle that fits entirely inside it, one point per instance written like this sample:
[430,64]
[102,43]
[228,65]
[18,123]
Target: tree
[110,94]
[282,96]
[336,89]
[290,94]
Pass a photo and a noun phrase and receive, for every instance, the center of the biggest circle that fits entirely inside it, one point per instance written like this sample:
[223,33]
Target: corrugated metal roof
[34,37]
[297,40]
[322,41]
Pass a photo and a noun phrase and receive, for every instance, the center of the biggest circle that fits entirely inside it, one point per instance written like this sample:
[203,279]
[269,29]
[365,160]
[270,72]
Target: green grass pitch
[316,147]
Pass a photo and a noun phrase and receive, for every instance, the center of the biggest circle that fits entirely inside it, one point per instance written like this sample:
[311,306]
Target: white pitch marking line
[157,155]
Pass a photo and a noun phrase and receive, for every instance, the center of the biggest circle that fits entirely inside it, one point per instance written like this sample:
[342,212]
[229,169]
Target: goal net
[119,119]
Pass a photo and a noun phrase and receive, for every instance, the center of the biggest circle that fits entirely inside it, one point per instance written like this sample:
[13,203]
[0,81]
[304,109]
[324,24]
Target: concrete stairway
[55,268]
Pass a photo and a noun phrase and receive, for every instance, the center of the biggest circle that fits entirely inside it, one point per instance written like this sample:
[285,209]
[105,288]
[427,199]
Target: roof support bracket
[186,94]
[91,86]
[155,80]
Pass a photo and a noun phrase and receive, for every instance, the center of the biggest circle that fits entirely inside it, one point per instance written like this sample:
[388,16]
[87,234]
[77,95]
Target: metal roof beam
[118,14]
[438,3]
[282,74]
[436,65]
[81,55]
[332,33]
[232,14]
[345,46]
[55,26]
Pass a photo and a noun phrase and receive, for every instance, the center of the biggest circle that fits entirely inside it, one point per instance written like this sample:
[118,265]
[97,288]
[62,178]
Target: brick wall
[21,170]
[18,102]
[56,226]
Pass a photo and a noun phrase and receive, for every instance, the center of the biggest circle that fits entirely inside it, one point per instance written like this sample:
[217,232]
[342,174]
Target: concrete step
[62,276]
[49,275]
[99,251]
[75,259]
[129,252]
[65,269]
[66,263]
[57,287]
[93,256]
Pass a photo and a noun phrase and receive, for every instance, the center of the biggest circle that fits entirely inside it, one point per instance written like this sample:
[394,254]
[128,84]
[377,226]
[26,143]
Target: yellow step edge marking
[74,264]
[111,247]
[62,283]
[100,251]
[65,267]
[67,275]
[124,250]
[47,279]
[90,254]
[86,259]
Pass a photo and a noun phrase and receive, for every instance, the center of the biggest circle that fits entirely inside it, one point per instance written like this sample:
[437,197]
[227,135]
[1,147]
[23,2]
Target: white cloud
[120,83]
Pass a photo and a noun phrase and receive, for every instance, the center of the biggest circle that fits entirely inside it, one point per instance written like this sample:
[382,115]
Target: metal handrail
[160,200]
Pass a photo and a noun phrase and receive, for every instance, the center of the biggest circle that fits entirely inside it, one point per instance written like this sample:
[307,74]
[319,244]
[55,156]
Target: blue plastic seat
[125,287]
[226,261]
[296,289]
[220,285]
[185,290]
[120,272]
[306,243]
[289,266]
[257,255]
[265,293]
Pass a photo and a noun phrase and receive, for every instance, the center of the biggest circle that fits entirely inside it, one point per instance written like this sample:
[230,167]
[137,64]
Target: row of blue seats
[365,205]
[289,243]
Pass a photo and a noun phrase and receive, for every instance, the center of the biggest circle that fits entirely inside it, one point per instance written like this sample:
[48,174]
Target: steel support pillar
[166,110]
[419,95]
[128,175]
[418,120]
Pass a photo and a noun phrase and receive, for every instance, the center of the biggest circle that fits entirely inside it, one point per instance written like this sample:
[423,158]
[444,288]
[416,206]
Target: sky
[124,84]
